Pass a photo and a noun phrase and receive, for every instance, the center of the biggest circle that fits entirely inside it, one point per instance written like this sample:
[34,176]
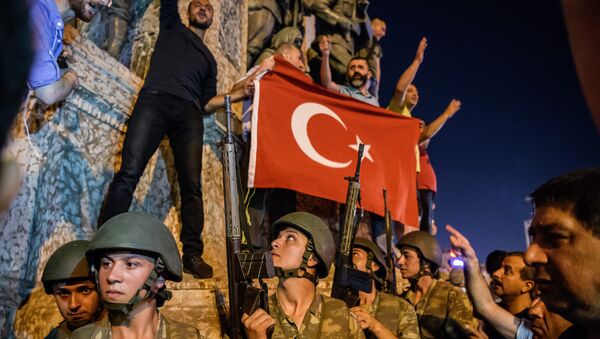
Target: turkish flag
[305,138]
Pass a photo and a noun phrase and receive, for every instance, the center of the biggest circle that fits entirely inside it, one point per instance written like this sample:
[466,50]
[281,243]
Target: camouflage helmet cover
[426,243]
[68,262]
[315,229]
[138,232]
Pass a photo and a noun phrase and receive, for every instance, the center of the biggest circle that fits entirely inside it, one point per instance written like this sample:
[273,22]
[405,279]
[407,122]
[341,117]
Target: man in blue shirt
[49,83]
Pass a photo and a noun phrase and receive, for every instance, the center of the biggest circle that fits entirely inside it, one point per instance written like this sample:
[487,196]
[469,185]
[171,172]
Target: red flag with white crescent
[305,138]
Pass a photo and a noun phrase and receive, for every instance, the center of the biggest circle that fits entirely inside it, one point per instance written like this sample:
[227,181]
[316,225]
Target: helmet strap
[301,271]
[124,309]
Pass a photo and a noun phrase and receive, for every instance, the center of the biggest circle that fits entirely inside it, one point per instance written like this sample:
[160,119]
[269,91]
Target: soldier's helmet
[426,244]
[67,263]
[370,246]
[137,232]
[316,229]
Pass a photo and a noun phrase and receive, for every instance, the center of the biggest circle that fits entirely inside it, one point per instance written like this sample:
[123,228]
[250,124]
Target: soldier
[381,315]
[303,251]
[443,310]
[67,278]
[131,256]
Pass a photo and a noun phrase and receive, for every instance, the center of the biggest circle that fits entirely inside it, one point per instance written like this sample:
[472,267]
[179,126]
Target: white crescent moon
[300,118]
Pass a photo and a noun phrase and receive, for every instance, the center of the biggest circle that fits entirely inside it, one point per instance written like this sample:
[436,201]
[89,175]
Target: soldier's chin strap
[300,272]
[424,269]
[124,309]
[369,264]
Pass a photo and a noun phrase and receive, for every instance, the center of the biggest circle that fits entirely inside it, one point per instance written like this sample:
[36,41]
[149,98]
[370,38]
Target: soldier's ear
[375,266]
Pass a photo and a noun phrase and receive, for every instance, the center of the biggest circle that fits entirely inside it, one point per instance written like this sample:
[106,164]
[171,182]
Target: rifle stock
[347,280]
[242,266]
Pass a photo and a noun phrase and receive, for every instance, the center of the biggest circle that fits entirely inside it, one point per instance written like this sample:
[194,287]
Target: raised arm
[436,125]
[325,47]
[58,90]
[169,15]
[478,291]
[408,76]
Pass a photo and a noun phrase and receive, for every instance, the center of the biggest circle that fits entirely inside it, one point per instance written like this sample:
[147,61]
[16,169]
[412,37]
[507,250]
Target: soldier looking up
[303,251]
[381,315]
[443,310]
[66,277]
[131,257]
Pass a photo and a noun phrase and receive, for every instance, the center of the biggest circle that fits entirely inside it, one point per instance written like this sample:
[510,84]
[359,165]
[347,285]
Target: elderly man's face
[565,256]
[85,10]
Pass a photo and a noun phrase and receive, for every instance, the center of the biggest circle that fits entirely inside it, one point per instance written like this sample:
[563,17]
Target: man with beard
[66,277]
[357,73]
[565,233]
[50,83]
[181,80]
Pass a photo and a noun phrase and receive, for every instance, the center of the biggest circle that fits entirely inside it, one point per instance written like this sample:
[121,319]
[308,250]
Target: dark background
[523,118]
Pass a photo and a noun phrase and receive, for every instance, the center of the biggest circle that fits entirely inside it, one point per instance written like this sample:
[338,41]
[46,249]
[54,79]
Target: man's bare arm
[408,76]
[58,90]
[325,72]
[478,291]
[436,125]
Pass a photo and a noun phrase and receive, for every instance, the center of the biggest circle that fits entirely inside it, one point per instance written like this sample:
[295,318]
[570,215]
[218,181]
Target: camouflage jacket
[326,318]
[60,332]
[167,329]
[443,312]
[396,314]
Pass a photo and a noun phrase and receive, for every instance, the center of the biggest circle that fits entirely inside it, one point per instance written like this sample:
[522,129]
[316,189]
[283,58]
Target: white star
[366,153]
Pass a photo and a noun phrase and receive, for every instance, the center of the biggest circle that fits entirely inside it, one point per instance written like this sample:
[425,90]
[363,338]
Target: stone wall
[70,156]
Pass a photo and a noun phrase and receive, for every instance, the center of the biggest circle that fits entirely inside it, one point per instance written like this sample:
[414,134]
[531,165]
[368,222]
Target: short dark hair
[578,191]
[527,271]
[494,261]
[358,58]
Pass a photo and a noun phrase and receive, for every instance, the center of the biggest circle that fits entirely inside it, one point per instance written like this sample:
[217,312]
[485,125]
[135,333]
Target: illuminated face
[358,72]
[295,58]
[85,10]
[200,13]
[122,274]
[77,302]
[409,262]
[288,248]
[412,96]
[507,279]
[564,255]
[379,29]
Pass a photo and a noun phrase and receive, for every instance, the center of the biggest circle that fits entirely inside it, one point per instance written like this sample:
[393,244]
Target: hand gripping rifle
[242,266]
[390,279]
[347,280]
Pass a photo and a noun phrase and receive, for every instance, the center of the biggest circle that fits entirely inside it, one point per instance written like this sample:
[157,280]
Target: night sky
[523,118]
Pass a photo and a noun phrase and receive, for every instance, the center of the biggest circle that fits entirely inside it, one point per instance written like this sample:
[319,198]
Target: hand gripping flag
[305,138]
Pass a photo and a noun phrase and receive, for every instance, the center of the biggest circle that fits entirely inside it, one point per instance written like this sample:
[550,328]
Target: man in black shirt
[181,80]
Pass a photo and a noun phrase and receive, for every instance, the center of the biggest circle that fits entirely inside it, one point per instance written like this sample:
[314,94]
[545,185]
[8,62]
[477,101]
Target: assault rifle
[347,280]
[390,278]
[242,266]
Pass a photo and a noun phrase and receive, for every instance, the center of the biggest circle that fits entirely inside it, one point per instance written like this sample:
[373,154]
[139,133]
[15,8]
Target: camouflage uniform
[167,329]
[326,318]
[443,312]
[396,314]
[61,331]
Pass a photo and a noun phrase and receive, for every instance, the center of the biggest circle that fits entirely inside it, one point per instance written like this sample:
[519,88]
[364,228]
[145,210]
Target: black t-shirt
[181,65]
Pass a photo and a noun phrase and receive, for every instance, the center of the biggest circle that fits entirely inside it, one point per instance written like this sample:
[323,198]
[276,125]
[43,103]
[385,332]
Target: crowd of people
[114,285]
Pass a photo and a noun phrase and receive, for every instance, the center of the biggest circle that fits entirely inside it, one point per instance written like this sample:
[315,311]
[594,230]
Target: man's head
[368,257]
[131,256]
[514,278]
[379,28]
[302,244]
[412,97]
[85,10]
[420,255]
[565,233]
[358,72]
[67,278]
[292,54]
[200,14]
